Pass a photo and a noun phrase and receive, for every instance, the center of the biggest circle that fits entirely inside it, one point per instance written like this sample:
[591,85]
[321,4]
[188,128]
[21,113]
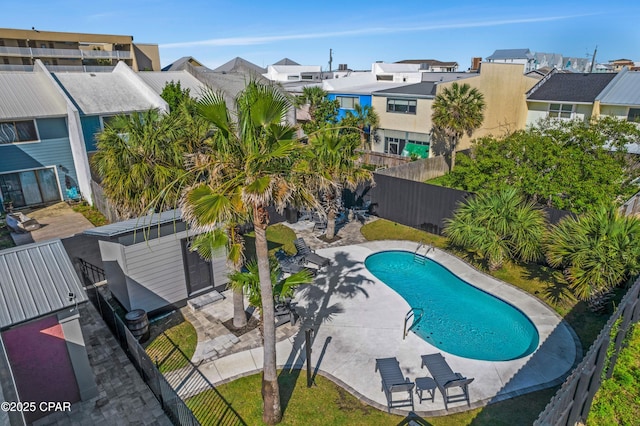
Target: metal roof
[124,227]
[179,63]
[425,89]
[570,87]
[502,54]
[105,93]
[158,80]
[623,90]
[35,280]
[29,95]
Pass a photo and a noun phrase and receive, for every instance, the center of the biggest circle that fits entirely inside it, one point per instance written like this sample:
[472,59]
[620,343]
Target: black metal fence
[572,402]
[184,393]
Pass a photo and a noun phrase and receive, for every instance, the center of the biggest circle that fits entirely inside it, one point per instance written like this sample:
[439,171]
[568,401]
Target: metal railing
[416,320]
[181,381]
[43,52]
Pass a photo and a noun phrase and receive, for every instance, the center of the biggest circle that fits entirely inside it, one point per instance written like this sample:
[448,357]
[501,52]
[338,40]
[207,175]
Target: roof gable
[238,64]
[501,54]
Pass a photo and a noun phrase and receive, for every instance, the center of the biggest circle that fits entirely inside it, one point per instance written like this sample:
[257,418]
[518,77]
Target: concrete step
[204,300]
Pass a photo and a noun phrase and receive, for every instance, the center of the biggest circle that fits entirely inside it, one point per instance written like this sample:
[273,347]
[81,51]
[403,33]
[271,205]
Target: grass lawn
[329,404]
[5,237]
[91,213]
[278,237]
[160,348]
[617,402]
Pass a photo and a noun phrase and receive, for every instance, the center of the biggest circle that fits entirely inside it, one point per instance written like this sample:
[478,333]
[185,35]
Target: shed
[41,343]
[149,265]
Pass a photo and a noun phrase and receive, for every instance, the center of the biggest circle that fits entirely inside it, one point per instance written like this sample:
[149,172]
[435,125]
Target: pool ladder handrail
[417,257]
[407,317]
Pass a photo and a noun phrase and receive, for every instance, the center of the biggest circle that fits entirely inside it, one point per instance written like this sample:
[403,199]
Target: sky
[359,32]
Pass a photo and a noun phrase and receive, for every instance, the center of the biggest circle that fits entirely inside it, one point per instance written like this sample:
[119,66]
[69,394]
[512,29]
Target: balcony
[60,68]
[34,52]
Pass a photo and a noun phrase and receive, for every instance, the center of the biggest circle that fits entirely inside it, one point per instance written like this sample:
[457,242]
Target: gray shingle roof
[35,280]
[158,80]
[501,54]
[238,64]
[126,226]
[286,61]
[178,64]
[623,90]
[425,89]
[570,87]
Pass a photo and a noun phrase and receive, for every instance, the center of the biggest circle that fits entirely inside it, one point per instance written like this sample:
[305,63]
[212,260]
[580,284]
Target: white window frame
[409,102]
[36,140]
[636,115]
[561,112]
[393,141]
[353,100]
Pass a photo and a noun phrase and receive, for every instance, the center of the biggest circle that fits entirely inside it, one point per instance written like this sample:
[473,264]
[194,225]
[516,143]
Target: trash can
[138,324]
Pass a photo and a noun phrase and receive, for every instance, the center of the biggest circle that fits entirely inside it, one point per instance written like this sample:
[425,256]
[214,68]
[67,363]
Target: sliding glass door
[30,187]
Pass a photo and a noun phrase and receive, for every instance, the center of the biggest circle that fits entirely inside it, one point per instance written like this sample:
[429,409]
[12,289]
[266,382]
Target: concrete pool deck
[356,319]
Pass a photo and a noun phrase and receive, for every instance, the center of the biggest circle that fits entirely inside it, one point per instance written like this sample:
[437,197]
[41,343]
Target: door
[198,271]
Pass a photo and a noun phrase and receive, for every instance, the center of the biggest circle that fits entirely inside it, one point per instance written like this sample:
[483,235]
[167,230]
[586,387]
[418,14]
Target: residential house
[179,64]
[63,51]
[99,97]
[513,56]
[405,112]
[240,65]
[286,73]
[157,81]
[149,265]
[41,148]
[432,65]
[621,97]
[43,356]
[565,96]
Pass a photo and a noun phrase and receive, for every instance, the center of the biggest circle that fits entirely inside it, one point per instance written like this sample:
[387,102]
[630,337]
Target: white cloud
[256,40]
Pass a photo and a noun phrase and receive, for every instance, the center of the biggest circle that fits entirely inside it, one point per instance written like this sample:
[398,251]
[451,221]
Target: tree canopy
[568,165]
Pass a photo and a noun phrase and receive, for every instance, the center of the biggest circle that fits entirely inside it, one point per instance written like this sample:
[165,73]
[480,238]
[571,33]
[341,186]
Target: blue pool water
[457,317]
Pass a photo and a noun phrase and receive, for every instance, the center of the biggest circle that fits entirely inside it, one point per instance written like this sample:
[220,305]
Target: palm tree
[366,120]
[597,250]
[498,226]
[248,281]
[457,110]
[255,163]
[312,96]
[141,159]
[334,158]
[206,243]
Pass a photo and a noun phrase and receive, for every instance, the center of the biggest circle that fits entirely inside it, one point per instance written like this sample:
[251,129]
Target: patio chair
[446,380]
[73,195]
[394,384]
[292,264]
[285,311]
[309,255]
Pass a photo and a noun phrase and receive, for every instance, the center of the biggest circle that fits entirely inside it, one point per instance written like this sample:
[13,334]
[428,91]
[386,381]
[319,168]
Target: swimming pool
[452,314]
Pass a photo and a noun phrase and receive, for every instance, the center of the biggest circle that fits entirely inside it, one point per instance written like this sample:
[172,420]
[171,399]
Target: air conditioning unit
[342,67]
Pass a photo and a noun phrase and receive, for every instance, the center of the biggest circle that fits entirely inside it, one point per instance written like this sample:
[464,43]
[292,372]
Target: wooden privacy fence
[572,402]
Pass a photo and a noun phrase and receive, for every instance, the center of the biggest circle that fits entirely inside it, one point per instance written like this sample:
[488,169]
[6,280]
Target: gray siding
[220,269]
[155,272]
[114,268]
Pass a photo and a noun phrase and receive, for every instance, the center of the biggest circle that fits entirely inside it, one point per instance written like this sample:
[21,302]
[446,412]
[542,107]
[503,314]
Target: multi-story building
[61,51]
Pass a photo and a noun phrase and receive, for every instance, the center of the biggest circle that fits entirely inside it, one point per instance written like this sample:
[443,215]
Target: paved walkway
[123,398]
[356,319]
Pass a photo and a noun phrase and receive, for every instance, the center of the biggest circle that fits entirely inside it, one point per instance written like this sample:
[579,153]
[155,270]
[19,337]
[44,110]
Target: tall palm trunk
[330,233]
[271,413]
[239,315]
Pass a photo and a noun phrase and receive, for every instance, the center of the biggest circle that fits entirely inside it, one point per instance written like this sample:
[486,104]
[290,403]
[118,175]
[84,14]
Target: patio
[357,319]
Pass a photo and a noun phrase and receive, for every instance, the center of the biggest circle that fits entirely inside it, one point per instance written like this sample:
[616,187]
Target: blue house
[349,100]
[37,159]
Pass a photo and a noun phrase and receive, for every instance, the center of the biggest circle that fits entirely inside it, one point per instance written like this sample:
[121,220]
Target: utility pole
[330,60]
[593,59]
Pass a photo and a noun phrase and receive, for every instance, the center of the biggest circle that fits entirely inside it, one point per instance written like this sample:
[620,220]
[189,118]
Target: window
[393,145]
[561,110]
[18,131]
[634,114]
[347,102]
[307,76]
[384,77]
[406,106]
